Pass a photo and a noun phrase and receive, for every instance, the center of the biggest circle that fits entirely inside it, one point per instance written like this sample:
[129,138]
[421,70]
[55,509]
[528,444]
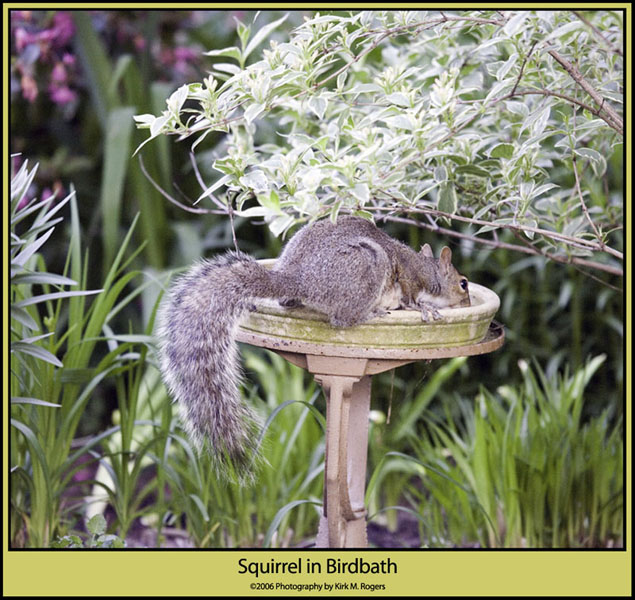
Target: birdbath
[343,361]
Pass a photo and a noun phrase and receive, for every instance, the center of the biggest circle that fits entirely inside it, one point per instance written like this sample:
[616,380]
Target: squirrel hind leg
[349,315]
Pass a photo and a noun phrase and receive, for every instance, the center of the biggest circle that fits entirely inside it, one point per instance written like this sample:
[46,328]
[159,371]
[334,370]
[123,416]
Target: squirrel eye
[463,283]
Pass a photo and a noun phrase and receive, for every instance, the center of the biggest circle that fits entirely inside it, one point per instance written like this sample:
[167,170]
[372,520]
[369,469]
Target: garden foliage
[503,120]
[500,131]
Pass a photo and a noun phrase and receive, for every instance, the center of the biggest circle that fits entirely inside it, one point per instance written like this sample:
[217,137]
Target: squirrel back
[351,271]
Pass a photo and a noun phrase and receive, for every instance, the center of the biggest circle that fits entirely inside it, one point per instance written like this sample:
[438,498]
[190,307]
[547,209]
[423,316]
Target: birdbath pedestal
[343,361]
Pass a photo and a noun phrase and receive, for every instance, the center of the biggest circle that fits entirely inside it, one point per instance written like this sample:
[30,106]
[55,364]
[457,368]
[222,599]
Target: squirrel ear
[446,256]
[427,251]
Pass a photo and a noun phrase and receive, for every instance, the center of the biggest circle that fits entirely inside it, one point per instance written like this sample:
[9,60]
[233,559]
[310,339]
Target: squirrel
[351,271]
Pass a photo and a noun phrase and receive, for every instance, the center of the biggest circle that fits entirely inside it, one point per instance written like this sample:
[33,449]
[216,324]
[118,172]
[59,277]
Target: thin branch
[156,186]
[199,178]
[531,250]
[522,67]
[605,111]
[583,203]
[573,261]
[570,99]
[598,33]
[405,162]
[572,241]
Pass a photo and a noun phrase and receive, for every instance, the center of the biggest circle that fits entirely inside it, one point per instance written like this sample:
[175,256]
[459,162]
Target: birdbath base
[342,362]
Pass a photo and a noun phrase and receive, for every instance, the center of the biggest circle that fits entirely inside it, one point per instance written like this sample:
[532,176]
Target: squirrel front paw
[429,312]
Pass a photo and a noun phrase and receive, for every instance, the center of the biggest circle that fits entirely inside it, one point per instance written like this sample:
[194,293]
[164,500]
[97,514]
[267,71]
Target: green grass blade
[119,130]
[280,515]
[96,66]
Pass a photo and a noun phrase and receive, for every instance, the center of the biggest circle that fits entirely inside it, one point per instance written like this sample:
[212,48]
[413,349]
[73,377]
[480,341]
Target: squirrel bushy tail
[350,271]
[199,357]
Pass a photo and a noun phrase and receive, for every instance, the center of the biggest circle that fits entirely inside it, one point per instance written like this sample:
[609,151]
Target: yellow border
[420,573]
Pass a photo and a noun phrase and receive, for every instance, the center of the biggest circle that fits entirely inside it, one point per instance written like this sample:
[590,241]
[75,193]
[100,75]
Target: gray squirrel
[350,271]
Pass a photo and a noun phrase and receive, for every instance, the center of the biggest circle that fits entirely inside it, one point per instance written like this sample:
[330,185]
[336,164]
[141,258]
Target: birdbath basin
[342,360]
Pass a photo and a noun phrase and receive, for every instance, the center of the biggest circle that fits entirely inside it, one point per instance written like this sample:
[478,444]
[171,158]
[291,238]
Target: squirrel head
[453,287]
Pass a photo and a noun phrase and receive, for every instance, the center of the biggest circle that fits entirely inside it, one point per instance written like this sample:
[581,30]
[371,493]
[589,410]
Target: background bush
[469,118]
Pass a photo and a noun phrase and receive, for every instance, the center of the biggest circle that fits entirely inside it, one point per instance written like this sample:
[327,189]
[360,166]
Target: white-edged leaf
[399,99]
[42,278]
[177,99]
[144,120]
[538,126]
[253,111]
[506,66]
[261,34]
[54,296]
[24,400]
[227,68]
[210,190]
[23,317]
[253,211]
[37,352]
[255,180]
[563,31]
[31,249]
[280,224]
[231,52]
[502,151]
[515,23]
[447,200]
[361,192]
[318,105]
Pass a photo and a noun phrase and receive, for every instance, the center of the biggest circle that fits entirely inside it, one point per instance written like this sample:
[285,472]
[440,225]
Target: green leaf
[96,66]
[447,200]
[232,52]
[67,541]
[54,296]
[42,278]
[201,507]
[261,34]
[598,162]
[119,129]
[253,111]
[502,151]
[471,170]
[37,352]
[275,523]
[37,455]
[515,23]
[506,66]
[270,201]
[36,401]
[96,525]
[31,249]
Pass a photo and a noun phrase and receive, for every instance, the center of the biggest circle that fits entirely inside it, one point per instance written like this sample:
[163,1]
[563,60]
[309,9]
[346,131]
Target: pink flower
[46,194]
[29,87]
[62,94]
[183,53]
[22,38]
[59,75]
[69,59]
[140,42]
[63,28]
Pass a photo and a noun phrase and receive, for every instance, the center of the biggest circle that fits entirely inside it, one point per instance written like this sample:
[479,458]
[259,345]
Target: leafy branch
[471,116]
